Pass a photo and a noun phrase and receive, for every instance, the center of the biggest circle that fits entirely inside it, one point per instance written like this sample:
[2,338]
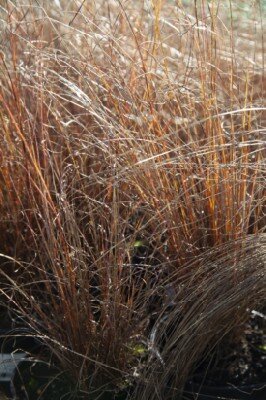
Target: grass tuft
[132,182]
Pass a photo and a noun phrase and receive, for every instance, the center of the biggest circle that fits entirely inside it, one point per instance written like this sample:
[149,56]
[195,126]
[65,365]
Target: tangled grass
[132,179]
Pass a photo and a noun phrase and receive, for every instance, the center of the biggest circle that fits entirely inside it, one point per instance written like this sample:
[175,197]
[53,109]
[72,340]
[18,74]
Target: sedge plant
[132,150]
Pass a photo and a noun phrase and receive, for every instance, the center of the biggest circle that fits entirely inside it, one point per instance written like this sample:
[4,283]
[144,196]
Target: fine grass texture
[132,182]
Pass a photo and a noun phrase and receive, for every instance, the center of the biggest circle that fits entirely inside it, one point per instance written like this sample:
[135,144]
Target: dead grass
[123,123]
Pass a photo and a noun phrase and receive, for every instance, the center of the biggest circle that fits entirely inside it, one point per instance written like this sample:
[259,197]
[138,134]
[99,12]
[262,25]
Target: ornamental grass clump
[213,302]
[132,183]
